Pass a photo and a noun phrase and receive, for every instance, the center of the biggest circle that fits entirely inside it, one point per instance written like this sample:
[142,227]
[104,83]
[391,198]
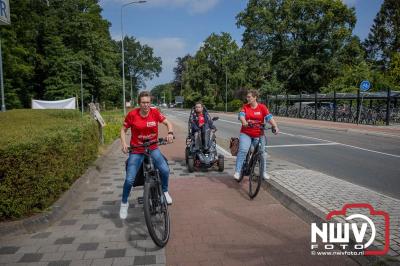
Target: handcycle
[205,156]
[154,203]
[252,164]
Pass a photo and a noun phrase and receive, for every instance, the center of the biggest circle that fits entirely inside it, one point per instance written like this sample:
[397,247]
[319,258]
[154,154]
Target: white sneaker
[266,176]
[123,211]
[168,198]
[236,176]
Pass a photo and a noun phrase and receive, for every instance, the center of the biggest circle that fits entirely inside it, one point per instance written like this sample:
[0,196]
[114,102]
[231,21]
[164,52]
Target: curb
[59,208]
[309,214]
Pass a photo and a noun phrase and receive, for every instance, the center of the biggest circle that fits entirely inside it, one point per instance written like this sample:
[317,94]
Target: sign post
[365,85]
[4,20]
[179,99]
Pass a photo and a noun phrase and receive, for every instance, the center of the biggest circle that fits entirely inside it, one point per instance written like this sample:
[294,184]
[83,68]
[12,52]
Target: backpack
[234,146]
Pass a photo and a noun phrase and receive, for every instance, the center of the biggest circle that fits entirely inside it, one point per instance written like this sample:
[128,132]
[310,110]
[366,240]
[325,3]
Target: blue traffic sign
[365,85]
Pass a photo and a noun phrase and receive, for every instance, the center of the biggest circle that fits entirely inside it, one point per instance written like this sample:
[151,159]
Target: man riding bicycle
[143,122]
[252,116]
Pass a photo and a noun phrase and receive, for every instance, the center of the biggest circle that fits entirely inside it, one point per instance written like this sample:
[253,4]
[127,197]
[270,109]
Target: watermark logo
[338,234]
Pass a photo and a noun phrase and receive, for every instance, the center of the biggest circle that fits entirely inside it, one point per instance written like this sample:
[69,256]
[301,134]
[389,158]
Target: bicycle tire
[244,168]
[254,177]
[155,203]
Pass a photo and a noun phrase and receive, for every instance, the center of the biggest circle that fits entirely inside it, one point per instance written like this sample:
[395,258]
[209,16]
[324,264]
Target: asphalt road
[372,161]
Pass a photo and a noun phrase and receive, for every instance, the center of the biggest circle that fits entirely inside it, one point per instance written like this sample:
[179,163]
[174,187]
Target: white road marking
[225,152]
[302,145]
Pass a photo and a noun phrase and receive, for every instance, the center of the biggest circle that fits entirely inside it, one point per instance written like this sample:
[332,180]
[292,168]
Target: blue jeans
[244,144]
[134,164]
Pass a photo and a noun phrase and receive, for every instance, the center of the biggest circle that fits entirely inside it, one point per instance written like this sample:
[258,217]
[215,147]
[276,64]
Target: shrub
[42,152]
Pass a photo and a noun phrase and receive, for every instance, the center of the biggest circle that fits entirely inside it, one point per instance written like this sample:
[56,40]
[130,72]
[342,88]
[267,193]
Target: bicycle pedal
[140,200]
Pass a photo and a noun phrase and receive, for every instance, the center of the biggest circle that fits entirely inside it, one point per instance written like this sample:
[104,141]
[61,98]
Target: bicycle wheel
[255,177]
[156,213]
[244,168]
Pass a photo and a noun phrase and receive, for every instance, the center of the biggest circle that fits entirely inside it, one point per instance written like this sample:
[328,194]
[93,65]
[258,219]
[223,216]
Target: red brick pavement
[213,222]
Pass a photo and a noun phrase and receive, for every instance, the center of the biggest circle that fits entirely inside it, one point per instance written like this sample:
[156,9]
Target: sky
[174,28]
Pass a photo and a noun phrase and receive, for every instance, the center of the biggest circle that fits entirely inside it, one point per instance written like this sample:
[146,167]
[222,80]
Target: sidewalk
[91,233]
[393,130]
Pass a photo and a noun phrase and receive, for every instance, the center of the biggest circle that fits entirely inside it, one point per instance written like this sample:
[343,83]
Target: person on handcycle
[199,120]
[143,122]
[252,116]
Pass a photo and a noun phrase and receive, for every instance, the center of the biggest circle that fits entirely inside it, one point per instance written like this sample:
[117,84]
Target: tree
[384,37]
[301,39]
[140,62]
[163,92]
[181,66]
[206,73]
[43,40]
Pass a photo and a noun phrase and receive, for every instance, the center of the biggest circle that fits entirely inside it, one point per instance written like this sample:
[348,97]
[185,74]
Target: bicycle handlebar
[160,141]
[261,126]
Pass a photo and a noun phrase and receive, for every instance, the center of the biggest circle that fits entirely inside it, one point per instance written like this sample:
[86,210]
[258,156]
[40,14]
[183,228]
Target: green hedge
[42,152]
[114,121]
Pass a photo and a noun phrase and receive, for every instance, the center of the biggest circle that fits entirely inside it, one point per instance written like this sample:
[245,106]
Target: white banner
[61,104]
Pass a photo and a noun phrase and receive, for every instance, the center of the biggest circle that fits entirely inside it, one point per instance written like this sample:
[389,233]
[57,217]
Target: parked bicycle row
[368,116]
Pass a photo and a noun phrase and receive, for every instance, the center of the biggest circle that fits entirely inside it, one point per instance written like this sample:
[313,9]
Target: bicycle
[252,164]
[154,203]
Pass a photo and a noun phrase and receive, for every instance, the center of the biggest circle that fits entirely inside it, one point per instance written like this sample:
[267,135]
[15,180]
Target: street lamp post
[122,52]
[3,104]
[80,64]
[226,91]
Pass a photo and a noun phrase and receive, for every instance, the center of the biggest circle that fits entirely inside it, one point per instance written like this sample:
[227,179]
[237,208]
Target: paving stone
[49,248]
[144,260]
[8,250]
[123,261]
[31,257]
[96,254]
[60,263]
[137,237]
[90,211]
[41,235]
[109,202]
[67,222]
[29,249]
[114,253]
[65,240]
[53,256]
[102,262]
[91,199]
[73,255]
[89,227]
[88,246]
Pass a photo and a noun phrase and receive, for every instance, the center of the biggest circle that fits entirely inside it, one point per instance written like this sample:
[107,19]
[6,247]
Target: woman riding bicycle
[252,115]
[143,122]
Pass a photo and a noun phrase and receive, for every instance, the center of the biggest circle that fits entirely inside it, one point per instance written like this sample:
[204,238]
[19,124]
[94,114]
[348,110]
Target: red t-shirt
[201,120]
[256,116]
[143,128]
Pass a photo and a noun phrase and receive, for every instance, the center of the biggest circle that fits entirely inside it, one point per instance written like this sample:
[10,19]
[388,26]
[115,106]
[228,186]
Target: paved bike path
[215,223]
